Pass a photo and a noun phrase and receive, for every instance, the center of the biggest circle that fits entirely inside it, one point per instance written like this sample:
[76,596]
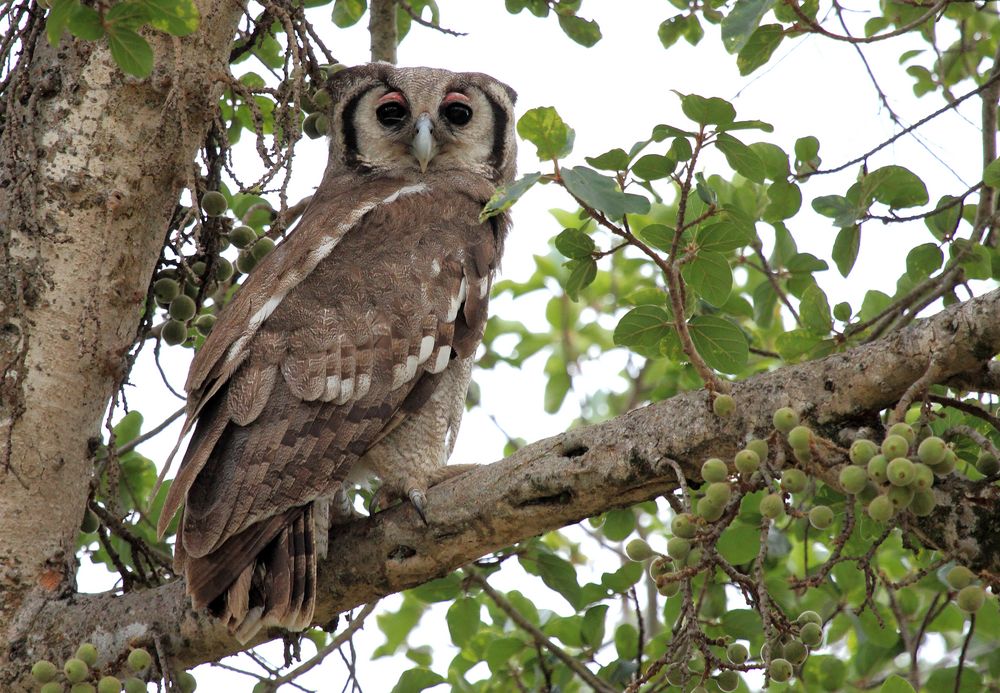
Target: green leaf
[575,244]
[582,274]
[895,186]
[505,197]
[556,388]
[128,428]
[672,29]
[794,344]
[974,259]
[653,167]
[85,23]
[741,158]
[824,673]
[558,574]
[644,326]
[923,261]
[602,193]
[414,680]
[806,148]
[592,629]
[744,624]
[943,224]
[896,684]
[721,343]
[348,12]
[774,158]
[618,524]
[759,48]
[883,635]
[658,236]
[626,641]
[739,544]
[613,160]
[845,249]
[440,590]
[130,51]
[814,311]
[742,21]
[991,174]
[546,130]
[500,650]
[397,625]
[710,275]
[784,201]
[839,208]
[586,32]
[463,620]
[59,14]
[943,679]
[707,111]
[723,237]
[175,17]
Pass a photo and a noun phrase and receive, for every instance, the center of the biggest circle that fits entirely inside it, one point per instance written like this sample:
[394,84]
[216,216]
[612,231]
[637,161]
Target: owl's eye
[391,114]
[457,113]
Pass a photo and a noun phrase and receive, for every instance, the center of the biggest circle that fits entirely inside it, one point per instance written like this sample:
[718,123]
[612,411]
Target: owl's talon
[419,501]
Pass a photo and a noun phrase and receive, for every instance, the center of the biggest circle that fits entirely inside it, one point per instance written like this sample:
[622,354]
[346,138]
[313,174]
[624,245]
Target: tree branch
[564,479]
[382,28]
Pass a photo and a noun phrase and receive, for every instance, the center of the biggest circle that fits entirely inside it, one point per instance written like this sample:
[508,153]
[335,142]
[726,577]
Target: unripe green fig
[747,462]
[895,446]
[213,203]
[678,548]
[900,497]
[90,522]
[868,493]
[772,506]
[959,577]
[727,680]
[737,653]
[198,268]
[923,502]
[109,684]
[638,550]
[932,450]
[174,332]
[52,687]
[82,688]
[877,467]
[923,478]
[861,451]
[987,464]
[166,289]
[76,670]
[881,509]
[139,659]
[182,308]
[853,479]
[794,480]
[660,566]
[261,248]
[186,682]
[903,429]
[668,588]
[223,269]
[803,455]
[205,323]
[901,472]
[795,652]
[43,671]
[723,405]
[760,447]
[821,517]
[800,437]
[242,237]
[809,617]
[970,599]
[697,663]
[134,685]
[191,289]
[316,125]
[714,469]
[811,634]
[785,419]
[88,653]
[694,558]
[684,525]
[780,670]
[245,262]
[948,465]
[321,99]
[720,492]
[710,509]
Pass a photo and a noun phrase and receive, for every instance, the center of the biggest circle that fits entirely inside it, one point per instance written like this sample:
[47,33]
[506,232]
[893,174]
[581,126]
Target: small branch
[382,27]
[965,651]
[967,408]
[919,387]
[538,636]
[132,444]
[423,22]
[771,277]
[815,27]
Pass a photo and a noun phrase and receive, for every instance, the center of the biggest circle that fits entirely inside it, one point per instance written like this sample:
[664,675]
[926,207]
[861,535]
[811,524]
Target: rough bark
[91,167]
[382,28]
[561,480]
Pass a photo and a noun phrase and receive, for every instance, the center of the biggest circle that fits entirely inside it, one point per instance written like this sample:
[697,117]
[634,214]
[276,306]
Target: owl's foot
[416,492]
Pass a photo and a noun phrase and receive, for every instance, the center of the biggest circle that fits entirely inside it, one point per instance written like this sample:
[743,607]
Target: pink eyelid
[392,97]
[455,97]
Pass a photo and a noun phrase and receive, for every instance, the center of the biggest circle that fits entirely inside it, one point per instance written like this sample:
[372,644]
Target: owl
[348,351]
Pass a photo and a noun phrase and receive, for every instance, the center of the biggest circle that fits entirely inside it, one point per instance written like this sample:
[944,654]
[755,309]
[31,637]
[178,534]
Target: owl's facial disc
[424,147]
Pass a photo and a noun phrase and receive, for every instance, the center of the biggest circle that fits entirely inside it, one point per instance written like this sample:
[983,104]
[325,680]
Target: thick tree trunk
[581,473]
[91,167]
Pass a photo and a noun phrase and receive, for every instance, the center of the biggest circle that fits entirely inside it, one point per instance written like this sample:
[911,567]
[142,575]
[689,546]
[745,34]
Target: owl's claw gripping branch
[419,501]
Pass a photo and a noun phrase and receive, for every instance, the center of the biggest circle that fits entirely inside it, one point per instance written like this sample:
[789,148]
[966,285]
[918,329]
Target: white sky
[613,95]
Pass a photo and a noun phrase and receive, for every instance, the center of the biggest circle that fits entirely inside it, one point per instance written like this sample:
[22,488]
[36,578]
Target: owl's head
[387,120]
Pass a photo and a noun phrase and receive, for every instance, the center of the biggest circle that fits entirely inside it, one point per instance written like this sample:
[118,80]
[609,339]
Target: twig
[917,389]
[968,408]
[965,651]
[538,636]
[423,22]
[773,279]
[817,28]
[132,444]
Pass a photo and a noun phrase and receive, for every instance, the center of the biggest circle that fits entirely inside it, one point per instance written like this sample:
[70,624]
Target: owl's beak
[423,142]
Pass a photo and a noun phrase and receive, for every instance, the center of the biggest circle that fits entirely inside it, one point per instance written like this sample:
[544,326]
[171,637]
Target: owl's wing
[317,355]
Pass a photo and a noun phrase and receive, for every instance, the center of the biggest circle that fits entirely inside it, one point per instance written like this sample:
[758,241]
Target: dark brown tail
[263,576]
